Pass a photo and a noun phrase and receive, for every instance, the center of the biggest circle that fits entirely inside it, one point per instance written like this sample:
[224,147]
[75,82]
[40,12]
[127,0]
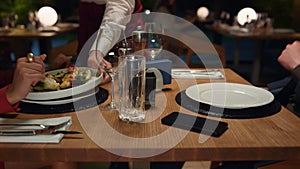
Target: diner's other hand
[59,62]
[290,56]
[96,58]
[26,75]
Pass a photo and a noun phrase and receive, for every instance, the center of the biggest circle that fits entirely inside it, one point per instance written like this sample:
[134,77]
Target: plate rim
[63,101]
[266,92]
[38,96]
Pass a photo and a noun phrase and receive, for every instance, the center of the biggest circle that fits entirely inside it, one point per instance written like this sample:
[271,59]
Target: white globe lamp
[47,16]
[246,15]
[202,13]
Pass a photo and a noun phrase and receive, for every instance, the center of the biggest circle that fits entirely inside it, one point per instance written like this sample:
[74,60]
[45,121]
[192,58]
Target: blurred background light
[47,16]
[202,12]
[246,15]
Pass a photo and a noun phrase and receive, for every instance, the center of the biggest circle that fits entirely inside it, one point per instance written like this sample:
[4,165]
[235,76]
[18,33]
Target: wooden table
[259,36]
[18,34]
[270,138]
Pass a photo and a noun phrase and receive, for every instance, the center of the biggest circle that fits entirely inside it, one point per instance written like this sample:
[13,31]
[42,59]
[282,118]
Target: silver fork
[43,126]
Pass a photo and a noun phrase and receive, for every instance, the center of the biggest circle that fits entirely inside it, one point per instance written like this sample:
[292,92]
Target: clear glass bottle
[139,40]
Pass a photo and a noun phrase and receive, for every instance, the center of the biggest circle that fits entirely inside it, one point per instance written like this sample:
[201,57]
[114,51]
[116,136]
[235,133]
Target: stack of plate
[66,95]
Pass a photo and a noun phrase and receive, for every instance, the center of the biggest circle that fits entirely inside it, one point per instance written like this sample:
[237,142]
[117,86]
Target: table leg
[139,165]
[257,62]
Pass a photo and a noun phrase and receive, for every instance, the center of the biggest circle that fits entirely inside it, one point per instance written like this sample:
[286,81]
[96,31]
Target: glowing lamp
[147,11]
[47,16]
[246,15]
[202,13]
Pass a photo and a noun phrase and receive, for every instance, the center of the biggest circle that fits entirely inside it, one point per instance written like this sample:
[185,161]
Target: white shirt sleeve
[116,16]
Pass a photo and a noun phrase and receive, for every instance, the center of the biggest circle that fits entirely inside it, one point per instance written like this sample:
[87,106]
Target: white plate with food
[229,95]
[64,100]
[66,82]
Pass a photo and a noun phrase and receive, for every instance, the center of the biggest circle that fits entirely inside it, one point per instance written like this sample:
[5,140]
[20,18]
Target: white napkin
[51,138]
[197,74]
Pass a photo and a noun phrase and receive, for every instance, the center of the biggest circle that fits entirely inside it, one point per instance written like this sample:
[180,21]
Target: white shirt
[112,24]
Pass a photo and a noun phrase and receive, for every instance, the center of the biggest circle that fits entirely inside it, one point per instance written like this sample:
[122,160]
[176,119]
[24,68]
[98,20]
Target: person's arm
[290,59]
[5,105]
[296,72]
[26,75]
[114,22]
[116,16]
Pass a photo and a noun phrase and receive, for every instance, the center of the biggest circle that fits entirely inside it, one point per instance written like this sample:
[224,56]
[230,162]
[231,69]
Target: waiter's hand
[96,60]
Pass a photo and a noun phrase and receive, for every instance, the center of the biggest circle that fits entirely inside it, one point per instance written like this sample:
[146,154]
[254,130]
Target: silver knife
[48,129]
[36,132]
[42,126]
[197,72]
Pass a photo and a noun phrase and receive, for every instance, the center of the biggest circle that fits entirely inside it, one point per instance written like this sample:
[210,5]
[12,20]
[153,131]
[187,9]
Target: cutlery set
[15,129]
[186,73]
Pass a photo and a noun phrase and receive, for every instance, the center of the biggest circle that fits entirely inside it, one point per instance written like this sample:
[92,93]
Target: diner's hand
[26,75]
[96,59]
[60,61]
[290,56]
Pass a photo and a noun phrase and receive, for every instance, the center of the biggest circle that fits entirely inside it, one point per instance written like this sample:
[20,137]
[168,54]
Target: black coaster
[85,103]
[253,112]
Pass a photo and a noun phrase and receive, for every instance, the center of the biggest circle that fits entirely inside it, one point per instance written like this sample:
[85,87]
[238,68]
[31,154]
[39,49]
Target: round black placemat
[253,112]
[88,102]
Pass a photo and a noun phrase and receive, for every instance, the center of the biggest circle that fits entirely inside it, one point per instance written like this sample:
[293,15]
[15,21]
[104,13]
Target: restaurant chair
[192,59]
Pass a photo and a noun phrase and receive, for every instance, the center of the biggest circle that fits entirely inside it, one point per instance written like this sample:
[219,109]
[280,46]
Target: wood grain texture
[270,138]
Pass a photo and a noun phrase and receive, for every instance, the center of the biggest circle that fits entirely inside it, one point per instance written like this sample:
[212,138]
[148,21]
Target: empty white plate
[229,95]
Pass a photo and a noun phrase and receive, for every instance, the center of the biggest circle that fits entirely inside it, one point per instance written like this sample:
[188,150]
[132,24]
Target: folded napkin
[51,138]
[197,74]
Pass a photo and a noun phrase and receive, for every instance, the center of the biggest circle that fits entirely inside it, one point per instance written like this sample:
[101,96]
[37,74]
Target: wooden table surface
[270,138]
[20,39]
[14,33]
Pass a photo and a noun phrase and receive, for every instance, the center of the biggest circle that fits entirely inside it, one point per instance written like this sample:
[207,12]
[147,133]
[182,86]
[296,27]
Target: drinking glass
[132,88]
[124,49]
[154,44]
[111,73]
[112,104]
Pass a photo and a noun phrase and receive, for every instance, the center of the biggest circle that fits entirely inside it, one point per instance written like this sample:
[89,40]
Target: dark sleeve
[279,84]
[296,73]
[276,86]
[296,100]
[284,95]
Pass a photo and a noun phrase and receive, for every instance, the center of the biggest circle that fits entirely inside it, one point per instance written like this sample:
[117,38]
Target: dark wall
[282,11]
[69,10]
